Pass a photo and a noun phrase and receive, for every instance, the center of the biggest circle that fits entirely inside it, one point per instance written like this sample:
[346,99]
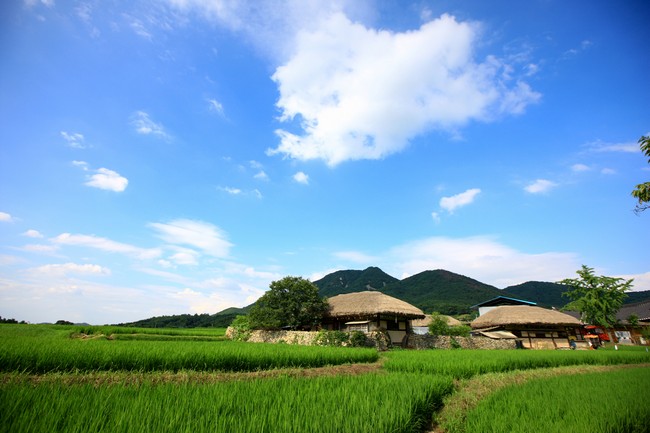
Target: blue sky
[176,156]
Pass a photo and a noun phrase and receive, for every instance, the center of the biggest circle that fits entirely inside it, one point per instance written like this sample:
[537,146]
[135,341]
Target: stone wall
[414,341]
[445,342]
[305,338]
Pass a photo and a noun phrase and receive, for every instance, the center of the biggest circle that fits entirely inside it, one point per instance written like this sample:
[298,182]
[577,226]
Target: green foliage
[358,339]
[370,403]
[642,190]
[354,281]
[439,326]
[468,363]
[598,299]
[331,338]
[633,319]
[558,405]
[241,328]
[219,320]
[292,302]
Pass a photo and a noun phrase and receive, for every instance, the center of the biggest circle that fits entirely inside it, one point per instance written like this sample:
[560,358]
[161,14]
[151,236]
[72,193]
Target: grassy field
[107,379]
[584,403]
[459,364]
[29,349]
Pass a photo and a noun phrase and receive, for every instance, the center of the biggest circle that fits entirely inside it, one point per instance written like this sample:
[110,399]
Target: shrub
[358,339]
[241,328]
[331,338]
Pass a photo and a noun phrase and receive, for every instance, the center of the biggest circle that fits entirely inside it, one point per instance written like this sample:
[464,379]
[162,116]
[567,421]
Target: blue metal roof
[503,300]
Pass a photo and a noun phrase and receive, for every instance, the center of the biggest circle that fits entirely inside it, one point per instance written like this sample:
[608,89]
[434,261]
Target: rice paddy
[71,379]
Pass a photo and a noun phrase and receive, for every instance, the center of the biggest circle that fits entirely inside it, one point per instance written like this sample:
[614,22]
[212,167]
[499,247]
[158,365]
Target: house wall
[422,342]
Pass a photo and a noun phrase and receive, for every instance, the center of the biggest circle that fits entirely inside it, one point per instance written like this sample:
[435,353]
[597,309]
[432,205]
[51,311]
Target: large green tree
[642,190]
[597,298]
[292,302]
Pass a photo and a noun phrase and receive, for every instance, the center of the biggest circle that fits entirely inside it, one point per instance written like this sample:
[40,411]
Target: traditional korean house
[534,327]
[371,311]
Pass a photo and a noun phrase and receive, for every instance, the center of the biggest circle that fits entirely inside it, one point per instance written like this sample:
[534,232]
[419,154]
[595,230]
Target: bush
[241,328]
[331,338]
[358,339]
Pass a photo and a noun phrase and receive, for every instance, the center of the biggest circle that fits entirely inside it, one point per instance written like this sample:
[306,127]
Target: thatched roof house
[522,315]
[535,327]
[371,311]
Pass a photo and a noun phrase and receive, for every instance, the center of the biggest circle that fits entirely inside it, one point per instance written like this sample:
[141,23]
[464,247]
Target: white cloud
[31,233]
[540,186]
[301,177]
[580,168]
[361,93]
[481,258]
[108,245]
[40,248]
[5,217]
[184,256]
[261,175]
[31,3]
[74,139]
[608,171]
[601,146]
[455,201]
[205,236]
[436,217]
[65,269]
[108,180]
[81,164]
[215,106]
[145,126]
[230,190]
[355,257]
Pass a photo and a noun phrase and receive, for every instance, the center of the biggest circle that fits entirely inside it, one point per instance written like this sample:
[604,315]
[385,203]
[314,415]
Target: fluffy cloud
[107,245]
[31,233]
[481,258]
[108,180]
[65,269]
[205,236]
[455,201]
[5,217]
[540,186]
[361,93]
[301,177]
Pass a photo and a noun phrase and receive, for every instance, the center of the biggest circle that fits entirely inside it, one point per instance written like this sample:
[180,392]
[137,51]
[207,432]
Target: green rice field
[106,379]
[584,403]
[459,364]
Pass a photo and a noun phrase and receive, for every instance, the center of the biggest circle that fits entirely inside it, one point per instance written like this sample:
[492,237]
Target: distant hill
[442,291]
[439,290]
[545,294]
[221,319]
[350,281]
[550,294]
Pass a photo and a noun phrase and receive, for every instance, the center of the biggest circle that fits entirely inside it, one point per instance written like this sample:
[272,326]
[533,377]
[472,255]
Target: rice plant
[352,404]
[468,363]
[584,403]
[42,351]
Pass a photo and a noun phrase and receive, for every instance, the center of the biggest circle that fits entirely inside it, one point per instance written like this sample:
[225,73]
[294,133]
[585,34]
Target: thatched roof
[427,321]
[362,304]
[522,315]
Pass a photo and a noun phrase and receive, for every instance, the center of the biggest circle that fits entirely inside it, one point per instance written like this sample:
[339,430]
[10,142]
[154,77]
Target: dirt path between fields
[470,392]
[182,377]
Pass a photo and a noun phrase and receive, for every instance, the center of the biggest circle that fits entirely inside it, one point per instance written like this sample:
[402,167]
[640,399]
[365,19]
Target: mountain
[550,294]
[438,290]
[545,294]
[350,281]
[442,291]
